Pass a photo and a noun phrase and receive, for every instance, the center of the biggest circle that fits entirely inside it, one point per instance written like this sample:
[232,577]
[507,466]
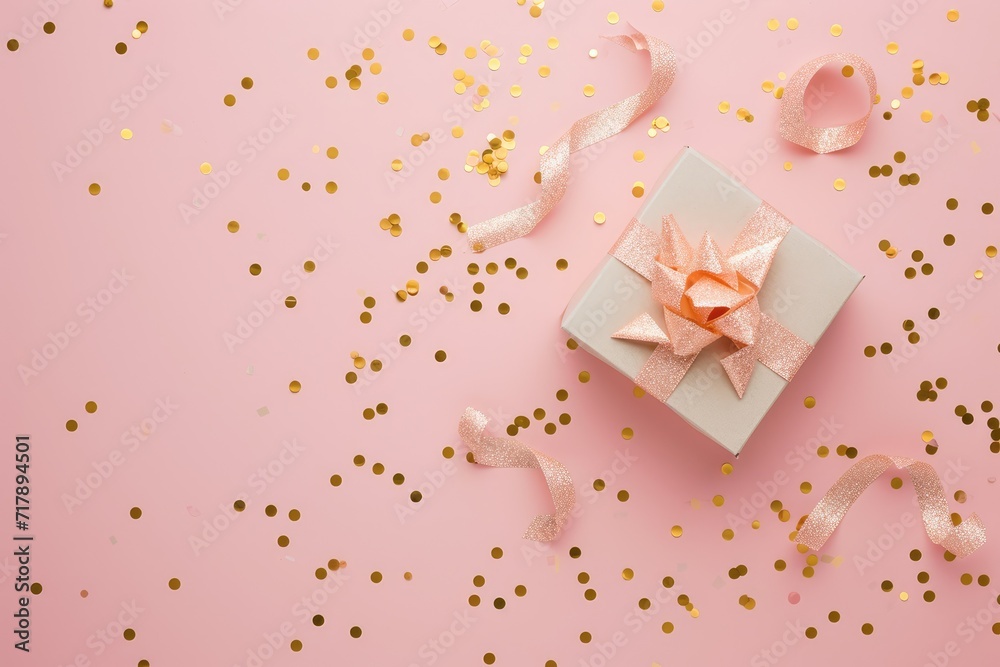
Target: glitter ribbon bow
[708,294]
[960,540]
[510,453]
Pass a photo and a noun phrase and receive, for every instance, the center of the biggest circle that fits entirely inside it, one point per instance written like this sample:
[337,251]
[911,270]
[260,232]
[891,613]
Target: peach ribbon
[960,540]
[501,452]
[793,123]
[585,132]
[708,294]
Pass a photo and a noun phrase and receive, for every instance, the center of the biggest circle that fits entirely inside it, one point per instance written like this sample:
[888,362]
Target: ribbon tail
[585,132]
[960,540]
[662,372]
[510,453]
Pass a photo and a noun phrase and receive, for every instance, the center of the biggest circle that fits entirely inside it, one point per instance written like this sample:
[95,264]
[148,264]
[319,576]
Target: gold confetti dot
[638,189]
[727,468]
[952,15]
[600,218]
[723,107]
[657,5]
[71,425]
[312,53]
[926,116]
[809,402]
[331,82]
[676,531]
[12,45]
[588,90]
[792,23]
[892,48]
[174,584]
[839,184]
[613,18]
[494,64]
[836,30]
[121,48]
[382,97]
[773,24]
[408,34]
[205,168]
[515,90]
[847,71]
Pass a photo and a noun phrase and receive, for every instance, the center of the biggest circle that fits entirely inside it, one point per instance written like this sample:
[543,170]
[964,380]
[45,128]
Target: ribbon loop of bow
[707,294]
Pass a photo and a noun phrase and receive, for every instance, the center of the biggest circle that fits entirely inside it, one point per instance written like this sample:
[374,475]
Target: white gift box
[805,288]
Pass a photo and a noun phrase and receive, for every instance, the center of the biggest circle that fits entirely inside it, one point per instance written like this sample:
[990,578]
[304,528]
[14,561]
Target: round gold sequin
[839,184]
[94,189]
[836,30]
[71,425]
[174,584]
[676,531]
[952,15]
[792,23]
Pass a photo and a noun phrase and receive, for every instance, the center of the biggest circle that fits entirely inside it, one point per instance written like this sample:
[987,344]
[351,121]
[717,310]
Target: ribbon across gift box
[705,282]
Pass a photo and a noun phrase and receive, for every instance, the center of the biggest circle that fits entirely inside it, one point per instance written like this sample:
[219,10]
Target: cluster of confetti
[492,161]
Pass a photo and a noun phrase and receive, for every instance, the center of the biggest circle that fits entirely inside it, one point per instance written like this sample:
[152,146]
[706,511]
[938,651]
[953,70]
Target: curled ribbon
[960,540]
[585,132]
[793,121]
[707,294]
[502,452]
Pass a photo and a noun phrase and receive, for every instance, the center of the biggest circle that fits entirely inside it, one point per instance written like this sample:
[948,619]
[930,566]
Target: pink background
[163,338]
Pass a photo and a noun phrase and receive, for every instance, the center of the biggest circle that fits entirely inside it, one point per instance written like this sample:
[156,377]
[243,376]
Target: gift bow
[708,294]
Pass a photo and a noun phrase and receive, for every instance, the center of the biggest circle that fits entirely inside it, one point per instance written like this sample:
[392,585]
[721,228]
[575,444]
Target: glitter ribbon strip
[585,132]
[793,121]
[708,294]
[502,452]
[960,540]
